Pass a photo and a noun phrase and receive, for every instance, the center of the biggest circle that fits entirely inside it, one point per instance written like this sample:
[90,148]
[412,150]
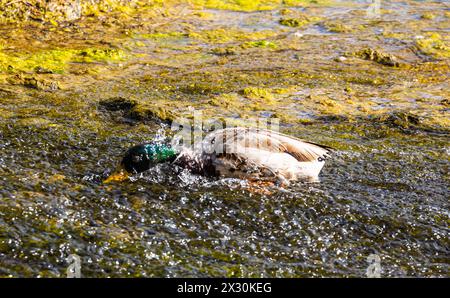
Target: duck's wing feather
[234,140]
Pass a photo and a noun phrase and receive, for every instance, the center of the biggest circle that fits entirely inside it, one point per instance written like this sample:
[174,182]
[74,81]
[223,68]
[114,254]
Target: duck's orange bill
[120,174]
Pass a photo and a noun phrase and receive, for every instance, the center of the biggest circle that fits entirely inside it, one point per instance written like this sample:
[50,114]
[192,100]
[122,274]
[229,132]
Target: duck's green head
[140,158]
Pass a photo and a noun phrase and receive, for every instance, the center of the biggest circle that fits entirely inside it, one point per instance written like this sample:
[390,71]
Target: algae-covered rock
[41,10]
[201,88]
[222,35]
[54,11]
[377,56]
[42,70]
[56,61]
[118,104]
[296,22]
[434,45]
[428,16]
[291,22]
[230,101]
[258,93]
[337,27]
[100,55]
[296,19]
[359,107]
[133,110]
[234,50]
[36,122]
[41,84]
[34,82]
[143,112]
[259,44]
[226,51]
[400,119]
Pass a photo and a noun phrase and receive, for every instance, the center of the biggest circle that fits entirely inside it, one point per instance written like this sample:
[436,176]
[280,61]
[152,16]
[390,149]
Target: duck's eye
[137,158]
[320,159]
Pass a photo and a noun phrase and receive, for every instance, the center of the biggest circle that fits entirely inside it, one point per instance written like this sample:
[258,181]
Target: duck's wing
[302,150]
[234,141]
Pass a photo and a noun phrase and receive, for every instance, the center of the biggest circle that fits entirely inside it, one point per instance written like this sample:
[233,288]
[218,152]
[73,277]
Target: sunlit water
[389,199]
[384,191]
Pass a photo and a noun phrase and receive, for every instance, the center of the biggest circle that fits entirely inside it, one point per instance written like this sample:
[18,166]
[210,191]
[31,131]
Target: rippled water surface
[390,199]
[385,190]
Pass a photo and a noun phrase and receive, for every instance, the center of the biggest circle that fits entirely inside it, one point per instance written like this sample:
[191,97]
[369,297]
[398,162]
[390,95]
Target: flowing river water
[75,95]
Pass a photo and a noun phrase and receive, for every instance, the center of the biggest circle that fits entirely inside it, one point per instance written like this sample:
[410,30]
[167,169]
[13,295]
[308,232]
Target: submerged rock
[34,83]
[400,120]
[377,56]
[149,113]
[118,104]
[337,27]
[428,16]
[227,51]
[433,45]
[298,21]
[129,109]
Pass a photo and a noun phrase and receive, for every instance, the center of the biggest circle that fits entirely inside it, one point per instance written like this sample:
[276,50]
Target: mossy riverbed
[78,85]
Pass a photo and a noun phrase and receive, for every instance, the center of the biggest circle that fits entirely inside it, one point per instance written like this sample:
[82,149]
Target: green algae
[363,80]
[56,61]
[389,123]
[434,45]
[337,27]
[238,5]
[252,5]
[230,101]
[55,11]
[291,22]
[145,112]
[201,88]
[225,51]
[235,49]
[229,35]
[162,35]
[258,93]
[36,122]
[99,55]
[428,16]
[293,18]
[299,21]
[260,44]
[97,8]
[33,82]
[400,119]
[40,84]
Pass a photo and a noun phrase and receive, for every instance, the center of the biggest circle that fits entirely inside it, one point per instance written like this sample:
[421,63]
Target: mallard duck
[246,153]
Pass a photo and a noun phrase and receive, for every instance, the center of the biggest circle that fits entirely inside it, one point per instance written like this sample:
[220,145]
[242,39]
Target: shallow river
[385,190]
